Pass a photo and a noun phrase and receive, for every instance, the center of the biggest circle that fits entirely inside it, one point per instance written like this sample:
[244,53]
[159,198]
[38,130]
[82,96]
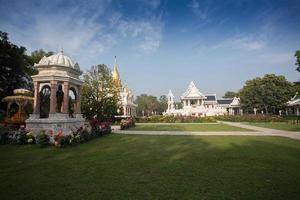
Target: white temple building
[126,94]
[194,103]
[294,105]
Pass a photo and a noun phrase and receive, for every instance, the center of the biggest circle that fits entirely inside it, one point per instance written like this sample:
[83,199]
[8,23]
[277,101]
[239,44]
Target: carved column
[36,103]
[78,104]
[66,97]
[53,97]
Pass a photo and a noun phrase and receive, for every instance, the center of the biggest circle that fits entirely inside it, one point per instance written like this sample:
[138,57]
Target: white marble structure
[126,94]
[294,104]
[197,104]
[57,77]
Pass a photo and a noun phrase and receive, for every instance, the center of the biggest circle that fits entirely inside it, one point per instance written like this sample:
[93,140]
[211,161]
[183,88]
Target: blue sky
[163,45]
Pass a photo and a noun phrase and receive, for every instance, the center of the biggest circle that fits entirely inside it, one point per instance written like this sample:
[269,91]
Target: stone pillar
[297,111]
[66,98]
[124,108]
[53,97]
[36,103]
[78,104]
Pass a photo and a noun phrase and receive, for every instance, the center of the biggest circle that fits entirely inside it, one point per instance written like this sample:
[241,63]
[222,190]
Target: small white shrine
[57,93]
[194,103]
[126,94]
[294,105]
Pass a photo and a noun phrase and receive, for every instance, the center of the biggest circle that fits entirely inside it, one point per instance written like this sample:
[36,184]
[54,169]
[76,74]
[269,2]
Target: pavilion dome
[58,59]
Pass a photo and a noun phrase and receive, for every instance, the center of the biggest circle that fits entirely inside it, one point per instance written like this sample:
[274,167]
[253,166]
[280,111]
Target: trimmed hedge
[193,119]
[251,118]
[175,119]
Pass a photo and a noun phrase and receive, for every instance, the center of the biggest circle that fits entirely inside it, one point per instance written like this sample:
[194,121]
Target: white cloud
[84,36]
[243,42]
[145,34]
[198,10]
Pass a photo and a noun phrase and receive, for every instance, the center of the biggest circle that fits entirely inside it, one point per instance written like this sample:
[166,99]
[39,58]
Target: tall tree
[297,55]
[37,55]
[162,104]
[100,97]
[146,103]
[230,94]
[269,93]
[15,68]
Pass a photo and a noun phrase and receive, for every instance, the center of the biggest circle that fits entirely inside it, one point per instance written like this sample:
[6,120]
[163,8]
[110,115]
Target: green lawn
[154,167]
[278,125]
[186,127]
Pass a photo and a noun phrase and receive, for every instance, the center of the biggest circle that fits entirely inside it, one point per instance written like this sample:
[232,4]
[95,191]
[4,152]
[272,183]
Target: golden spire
[115,73]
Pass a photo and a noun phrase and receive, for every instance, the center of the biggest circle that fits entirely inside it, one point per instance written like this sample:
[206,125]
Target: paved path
[258,131]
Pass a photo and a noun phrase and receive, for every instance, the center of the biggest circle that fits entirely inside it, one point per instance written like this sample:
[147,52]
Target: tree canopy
[100,97]
[230,94]
[297,55]
[269,93]
[149,104]
[37,55]
[15,67]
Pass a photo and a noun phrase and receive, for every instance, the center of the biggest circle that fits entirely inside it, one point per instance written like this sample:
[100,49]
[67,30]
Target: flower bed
[192,119]
[127,123]
[59,139]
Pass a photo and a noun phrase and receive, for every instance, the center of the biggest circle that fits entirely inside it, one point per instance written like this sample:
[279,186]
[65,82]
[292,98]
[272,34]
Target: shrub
[175,119]
[4,135]
[100,128]
[105,127]
[63,140]
[18,137]
[251,118]
[30,138]
[42,139]
[127,123]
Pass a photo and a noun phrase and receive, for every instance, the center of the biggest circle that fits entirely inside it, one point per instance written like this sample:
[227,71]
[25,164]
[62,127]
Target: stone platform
[55,122]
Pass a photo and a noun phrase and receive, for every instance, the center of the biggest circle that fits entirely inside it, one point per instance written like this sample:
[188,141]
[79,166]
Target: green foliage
[149,104]
[15,68]
[37,55]
[230,94]
[297,55]
[3,134]
[63,140]
[269,93]
[175,119]
[17,137]
[42,139]
[127,123]
[100,97]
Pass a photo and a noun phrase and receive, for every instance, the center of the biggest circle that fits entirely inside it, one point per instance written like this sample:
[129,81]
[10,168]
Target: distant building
[126,94]
[197,104]
[294,105]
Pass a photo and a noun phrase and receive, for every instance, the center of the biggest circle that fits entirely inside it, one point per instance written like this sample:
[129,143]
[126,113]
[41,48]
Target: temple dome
[58,59]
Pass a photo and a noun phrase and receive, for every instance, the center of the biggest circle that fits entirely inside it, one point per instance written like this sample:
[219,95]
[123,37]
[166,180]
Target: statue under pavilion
[194,103]
[16,106]
[126,94]
[57,91]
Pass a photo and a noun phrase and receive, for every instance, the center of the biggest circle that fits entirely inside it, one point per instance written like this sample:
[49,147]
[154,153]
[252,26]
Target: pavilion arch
[45,101]
[73,98]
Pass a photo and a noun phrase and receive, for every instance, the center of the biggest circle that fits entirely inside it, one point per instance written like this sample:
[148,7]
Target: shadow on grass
[155,167]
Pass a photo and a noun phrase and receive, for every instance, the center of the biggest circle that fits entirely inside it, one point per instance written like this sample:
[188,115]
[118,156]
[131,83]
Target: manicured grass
[278,125]
[186,127]
[154,167]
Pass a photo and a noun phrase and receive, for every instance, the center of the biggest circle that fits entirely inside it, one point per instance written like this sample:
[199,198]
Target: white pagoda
[194,103]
